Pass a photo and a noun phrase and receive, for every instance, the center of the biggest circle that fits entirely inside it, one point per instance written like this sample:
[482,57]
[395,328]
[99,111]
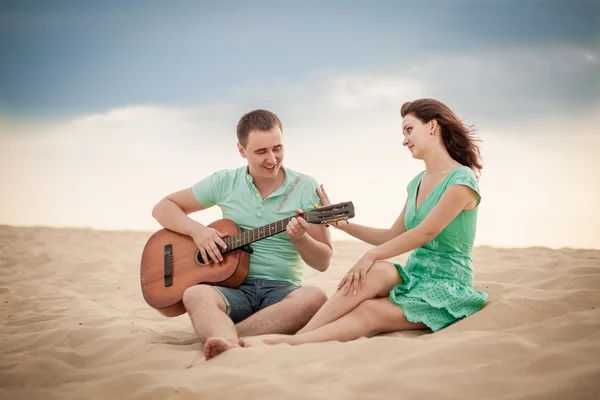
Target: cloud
[501,86]
[359,91]
[107,170]
[521,82]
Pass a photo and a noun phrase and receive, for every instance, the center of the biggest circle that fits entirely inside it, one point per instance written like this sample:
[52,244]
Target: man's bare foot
[215,346]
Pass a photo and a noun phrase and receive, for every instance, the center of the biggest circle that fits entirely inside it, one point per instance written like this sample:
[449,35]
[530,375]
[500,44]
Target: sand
[74,326]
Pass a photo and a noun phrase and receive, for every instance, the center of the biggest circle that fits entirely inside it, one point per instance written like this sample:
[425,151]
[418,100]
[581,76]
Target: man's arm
[315,246]
[172,213]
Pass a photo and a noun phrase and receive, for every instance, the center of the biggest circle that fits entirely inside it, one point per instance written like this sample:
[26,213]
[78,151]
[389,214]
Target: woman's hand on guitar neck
[208,241]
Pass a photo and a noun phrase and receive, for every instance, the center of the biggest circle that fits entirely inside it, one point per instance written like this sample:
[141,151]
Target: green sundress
[438,276]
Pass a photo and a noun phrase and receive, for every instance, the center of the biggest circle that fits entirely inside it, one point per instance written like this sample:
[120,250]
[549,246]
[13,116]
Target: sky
[106,107]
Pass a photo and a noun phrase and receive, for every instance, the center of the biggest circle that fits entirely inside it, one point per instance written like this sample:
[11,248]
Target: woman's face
[417,135]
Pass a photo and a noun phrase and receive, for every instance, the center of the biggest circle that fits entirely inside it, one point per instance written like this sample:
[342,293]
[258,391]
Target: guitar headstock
[330,213]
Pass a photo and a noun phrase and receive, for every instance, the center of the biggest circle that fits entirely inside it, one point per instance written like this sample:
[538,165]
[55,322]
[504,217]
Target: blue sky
[65,58]
[107,106]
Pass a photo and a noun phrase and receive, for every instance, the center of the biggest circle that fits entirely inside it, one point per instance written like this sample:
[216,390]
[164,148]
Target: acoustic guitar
[171,262]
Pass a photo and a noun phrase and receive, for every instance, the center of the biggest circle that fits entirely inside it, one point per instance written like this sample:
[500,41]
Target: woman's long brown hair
[459,139]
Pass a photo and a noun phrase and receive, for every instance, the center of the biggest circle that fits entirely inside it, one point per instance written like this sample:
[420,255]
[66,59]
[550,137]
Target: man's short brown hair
[260,120]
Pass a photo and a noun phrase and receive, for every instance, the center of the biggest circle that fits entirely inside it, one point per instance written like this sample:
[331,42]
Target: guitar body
[186,269]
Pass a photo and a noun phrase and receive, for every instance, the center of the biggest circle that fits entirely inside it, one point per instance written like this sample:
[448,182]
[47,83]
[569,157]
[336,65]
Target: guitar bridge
[168,265]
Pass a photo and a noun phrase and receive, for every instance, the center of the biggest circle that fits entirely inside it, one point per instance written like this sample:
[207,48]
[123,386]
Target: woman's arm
[373,236]
[453,201]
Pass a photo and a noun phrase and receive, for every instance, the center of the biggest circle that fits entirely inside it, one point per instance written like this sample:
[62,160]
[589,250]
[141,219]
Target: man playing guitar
[271,299]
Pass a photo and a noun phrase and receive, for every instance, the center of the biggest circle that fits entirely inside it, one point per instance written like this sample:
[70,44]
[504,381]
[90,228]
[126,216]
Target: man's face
[264,152]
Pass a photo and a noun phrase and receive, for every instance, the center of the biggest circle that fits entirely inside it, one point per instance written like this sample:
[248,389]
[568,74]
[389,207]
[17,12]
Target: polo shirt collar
[280,189]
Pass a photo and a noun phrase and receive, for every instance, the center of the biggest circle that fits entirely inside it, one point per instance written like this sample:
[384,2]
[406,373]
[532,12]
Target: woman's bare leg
[370,317]
[381,278]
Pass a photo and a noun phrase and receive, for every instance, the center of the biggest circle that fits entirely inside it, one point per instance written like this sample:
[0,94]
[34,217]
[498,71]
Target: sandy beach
[74,325]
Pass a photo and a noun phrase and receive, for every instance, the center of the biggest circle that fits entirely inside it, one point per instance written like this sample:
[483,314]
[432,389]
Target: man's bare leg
[370,317]
[212,325]
[287,316]
[381,278]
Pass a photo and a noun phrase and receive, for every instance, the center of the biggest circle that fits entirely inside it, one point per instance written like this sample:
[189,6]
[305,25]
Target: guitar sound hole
[200,260]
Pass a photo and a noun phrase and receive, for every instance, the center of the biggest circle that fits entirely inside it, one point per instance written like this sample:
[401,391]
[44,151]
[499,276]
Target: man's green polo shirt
[233,190]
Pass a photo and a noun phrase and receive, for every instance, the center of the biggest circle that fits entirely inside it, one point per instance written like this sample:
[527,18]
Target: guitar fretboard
[247,237]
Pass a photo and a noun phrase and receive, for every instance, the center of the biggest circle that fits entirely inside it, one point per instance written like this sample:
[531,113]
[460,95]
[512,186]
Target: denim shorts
[252,296]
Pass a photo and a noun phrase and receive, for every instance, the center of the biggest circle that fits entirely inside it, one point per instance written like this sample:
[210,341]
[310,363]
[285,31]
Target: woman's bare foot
[215,346]
[288,339]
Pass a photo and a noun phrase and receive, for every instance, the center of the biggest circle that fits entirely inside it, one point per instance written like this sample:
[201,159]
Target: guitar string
[248,236]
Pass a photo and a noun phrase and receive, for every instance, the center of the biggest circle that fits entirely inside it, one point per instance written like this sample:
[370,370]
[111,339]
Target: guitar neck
[242,239]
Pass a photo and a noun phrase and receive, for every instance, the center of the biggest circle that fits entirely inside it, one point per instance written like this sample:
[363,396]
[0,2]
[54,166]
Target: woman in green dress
[438,221]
